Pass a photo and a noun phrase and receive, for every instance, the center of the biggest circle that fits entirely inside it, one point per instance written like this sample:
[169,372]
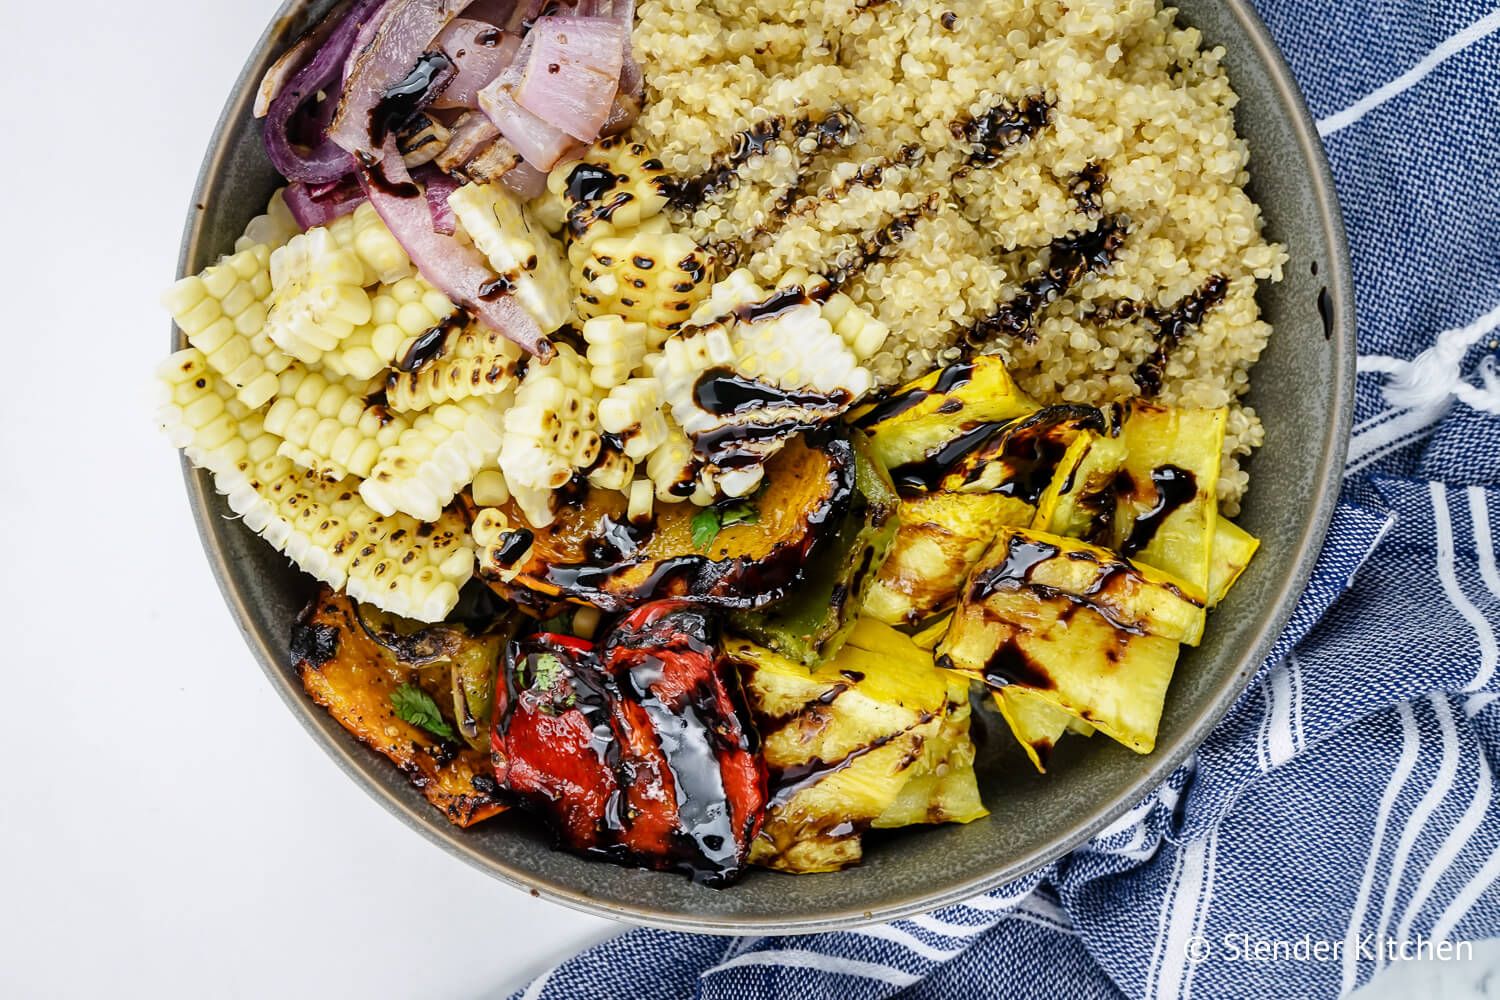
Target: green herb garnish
[545,670]
[416,707]
[708,522]
[558,624]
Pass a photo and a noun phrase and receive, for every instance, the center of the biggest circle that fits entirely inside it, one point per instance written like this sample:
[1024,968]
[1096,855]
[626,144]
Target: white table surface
[170,830]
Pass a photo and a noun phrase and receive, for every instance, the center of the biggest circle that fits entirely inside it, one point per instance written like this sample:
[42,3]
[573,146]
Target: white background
[167,828]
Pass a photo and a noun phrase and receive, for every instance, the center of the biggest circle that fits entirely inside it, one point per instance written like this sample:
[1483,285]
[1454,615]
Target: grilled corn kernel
[397,564]
[530,262]
[318,298]
[329,427]
[861,332]
[612,471]
[633,189]
[676,472]
[222,312]
[273,229]
[489,489]
[642,501]
[200,413]
[655,278]
[399,315]
[552,431]
[616,349]
[633,413]
[435,458]
[475,361]
[496,538]
[378,249]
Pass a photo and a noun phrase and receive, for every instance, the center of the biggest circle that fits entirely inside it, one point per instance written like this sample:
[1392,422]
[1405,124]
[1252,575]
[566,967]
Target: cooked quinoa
[1055,181]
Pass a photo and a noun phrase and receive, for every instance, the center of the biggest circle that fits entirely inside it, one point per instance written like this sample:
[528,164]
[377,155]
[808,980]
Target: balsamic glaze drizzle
[1173,325]
[1071,259]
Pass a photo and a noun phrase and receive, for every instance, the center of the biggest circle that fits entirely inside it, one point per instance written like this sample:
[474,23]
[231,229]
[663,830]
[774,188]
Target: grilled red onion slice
[573,73]
[480,51]
[324,162]
[542,145]
[405,31]
[496,12]
[293,59]
[457,270]
[437,186]
[318,206]
[525,180]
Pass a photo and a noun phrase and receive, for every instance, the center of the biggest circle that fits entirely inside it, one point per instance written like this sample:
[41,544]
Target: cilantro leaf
[545,670]
[706,527]
[416,707]
[709,521]
[740,513]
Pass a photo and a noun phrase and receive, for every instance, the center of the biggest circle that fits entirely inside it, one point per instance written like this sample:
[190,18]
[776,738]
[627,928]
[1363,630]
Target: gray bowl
[1303,387]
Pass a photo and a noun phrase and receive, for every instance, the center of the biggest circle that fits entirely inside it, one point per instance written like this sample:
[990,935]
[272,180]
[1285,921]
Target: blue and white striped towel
[1349,796]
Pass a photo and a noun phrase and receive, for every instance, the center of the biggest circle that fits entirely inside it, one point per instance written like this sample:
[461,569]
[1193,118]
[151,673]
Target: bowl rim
[1338,280]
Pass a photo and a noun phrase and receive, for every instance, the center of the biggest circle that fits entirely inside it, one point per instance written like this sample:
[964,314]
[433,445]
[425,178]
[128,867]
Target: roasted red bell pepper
[639,749]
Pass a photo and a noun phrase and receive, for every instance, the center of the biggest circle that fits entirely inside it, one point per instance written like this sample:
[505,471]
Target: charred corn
[200,413]
[329,427]
[318,296]
[501,545]
[809,377]
[632,412]
[475,361]
[402,566]
[616,349]
[222,312]
[653,277]
[395,563]
[677,473]
[617,185]
[364,233]
[435,458]
[399,315]
[530,262]
[552,431]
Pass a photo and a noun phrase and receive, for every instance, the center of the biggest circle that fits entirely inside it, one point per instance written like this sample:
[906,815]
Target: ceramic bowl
[1302,389]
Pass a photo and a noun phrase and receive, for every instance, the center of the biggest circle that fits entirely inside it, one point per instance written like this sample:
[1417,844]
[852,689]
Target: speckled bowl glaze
[1302,387]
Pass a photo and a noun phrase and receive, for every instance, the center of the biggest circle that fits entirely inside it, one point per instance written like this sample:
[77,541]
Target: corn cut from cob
[474,361]
[396,563]
[775,350]
[617,185]
[653,277]
[381,255]
[435,458]
[529,261]
[318,295]
[552,431]
[223,312]
[332,429]
[400,315]
[273,228]
[201,414]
